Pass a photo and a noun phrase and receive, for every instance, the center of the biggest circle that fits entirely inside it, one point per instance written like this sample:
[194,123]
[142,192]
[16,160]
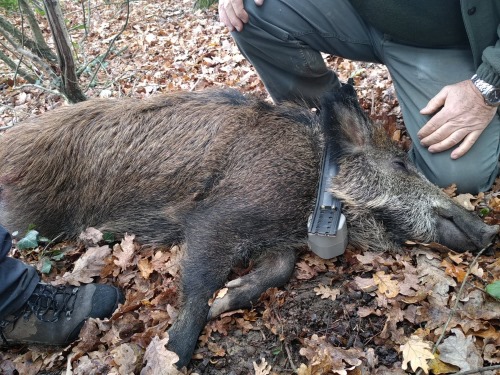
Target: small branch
[289,354]
[458,296]
[10,32]
[477,371]
[455,307]
[41,45]
[42,65]
[127,3]
[55,92]
[11,64]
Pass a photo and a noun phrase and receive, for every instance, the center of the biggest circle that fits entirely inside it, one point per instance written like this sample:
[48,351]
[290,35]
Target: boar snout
[462,231]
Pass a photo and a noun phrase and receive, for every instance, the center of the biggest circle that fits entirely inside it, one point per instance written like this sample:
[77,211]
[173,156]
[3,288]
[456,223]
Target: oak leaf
[454,271]
[263,368]
[416,352]
[125,252]
[386,285]
[305,271]
[88,266]
[91,236]
[435,279]
[158,360]
[325,358]
[128,358]
[439,367]
[365,285]
[325,292]
[465,201]
[145,267]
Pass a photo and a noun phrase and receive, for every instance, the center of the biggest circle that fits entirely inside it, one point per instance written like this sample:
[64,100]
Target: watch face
[493,96]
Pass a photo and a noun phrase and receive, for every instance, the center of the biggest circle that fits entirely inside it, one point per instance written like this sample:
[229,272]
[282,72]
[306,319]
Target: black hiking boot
[54,315]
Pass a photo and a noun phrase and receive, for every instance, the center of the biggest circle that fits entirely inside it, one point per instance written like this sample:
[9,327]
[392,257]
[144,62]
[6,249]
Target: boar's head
[386,199]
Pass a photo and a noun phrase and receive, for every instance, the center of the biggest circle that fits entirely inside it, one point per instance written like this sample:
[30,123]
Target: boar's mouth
[461,230]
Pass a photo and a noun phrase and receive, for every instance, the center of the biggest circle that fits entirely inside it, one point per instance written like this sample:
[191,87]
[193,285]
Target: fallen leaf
[434,279]
[386,285]
[366,285]
[457,258]
[125,252]
[493,289]
[145,267]
[416,352]
[324,357]
[263,368]
[439,367]
[492,353]
[460,351]
[304,271]
[91,235]
[158,360]
[128,358]
[216,350]
[451,190]
[325,292]
[409,286]
[88,266]
[454,271]
[465,201]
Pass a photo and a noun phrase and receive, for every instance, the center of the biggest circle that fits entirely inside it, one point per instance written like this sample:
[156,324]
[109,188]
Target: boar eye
[399,165]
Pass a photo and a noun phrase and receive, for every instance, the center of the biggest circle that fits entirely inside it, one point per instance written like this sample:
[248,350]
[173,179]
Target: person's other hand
[232,13]
[460,116]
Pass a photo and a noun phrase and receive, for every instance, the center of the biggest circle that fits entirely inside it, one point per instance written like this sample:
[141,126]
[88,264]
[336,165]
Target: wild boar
[231,176]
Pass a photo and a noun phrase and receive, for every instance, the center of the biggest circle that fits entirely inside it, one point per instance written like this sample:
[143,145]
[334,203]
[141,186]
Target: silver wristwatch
[491,94]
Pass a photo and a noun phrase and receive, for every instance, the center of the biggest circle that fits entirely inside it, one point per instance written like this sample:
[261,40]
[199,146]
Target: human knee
[468,179]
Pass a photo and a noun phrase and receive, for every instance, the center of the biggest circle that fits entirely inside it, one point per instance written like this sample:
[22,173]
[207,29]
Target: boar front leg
[212,245]
[201,276]
[272,269]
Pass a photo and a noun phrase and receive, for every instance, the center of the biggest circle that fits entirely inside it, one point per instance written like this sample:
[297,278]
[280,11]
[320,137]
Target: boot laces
[48,302]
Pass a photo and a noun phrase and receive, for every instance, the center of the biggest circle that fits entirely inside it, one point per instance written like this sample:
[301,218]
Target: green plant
[204,4]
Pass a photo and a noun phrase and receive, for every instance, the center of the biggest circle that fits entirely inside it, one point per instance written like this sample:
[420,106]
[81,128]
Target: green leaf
[29,241]
[8,4]
[493,289]
[46,266]
[57,257]
[108,237]
[484,211]
[204,4]
[276,350]
[78,27]
[40,11]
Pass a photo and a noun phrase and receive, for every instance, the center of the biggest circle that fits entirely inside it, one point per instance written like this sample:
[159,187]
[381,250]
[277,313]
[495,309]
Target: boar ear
[344,122]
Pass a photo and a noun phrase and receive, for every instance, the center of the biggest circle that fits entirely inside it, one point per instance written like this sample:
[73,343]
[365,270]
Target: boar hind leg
[273,269]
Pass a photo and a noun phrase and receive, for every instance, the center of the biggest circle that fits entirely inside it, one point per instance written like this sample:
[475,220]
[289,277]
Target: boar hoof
[238,296]
[272,270]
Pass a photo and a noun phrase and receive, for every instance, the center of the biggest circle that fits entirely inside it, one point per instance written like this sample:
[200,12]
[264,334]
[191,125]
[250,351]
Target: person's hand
[232,13]
[460,116]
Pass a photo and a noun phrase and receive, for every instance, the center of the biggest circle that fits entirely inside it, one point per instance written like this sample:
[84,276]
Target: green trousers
[283,40]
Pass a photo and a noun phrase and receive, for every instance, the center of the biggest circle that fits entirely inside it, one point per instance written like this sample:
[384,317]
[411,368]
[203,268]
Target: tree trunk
[69,81]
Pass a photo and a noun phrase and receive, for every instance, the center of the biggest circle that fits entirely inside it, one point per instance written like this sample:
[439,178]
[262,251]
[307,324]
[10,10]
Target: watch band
[490,93]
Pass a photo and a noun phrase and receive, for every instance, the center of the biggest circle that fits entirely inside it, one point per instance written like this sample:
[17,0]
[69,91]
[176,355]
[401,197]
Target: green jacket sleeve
[489,70]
